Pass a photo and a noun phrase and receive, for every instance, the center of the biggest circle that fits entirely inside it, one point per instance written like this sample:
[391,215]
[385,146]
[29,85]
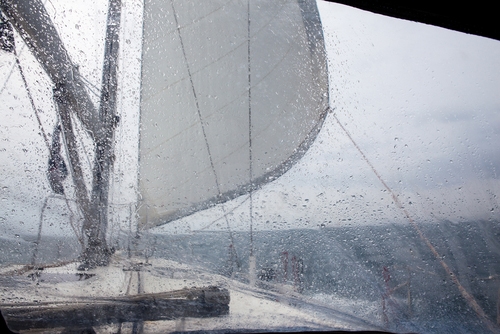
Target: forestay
[233,93]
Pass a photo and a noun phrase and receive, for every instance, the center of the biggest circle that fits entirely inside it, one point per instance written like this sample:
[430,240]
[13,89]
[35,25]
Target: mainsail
[233,93]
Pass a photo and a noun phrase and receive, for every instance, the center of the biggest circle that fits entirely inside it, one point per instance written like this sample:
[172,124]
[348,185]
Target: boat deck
[159,296]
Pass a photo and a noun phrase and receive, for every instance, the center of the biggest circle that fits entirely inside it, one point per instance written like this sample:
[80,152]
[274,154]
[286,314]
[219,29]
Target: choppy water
[351,268]
[361,264]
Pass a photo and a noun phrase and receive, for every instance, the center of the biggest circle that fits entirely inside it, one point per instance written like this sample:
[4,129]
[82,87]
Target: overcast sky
[421,102]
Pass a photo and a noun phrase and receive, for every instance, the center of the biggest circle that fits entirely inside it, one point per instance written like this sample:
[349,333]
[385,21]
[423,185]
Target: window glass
[275,166]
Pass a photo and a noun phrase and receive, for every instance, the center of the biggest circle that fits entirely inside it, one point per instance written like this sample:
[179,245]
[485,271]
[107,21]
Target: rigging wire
[202,126]
[39,235]
[91,87]
[13,64]
[79,136]
[30,97]
[10,73]
[72,215]
[78,203]
[47,144]
[43,133]
[465,294]
[225,213]
[250,158]
[19,54]
[193,232]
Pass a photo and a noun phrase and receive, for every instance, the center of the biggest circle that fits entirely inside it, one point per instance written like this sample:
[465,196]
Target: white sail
[232,94]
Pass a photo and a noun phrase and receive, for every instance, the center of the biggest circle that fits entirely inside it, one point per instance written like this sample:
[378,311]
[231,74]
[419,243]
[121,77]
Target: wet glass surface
[360,194]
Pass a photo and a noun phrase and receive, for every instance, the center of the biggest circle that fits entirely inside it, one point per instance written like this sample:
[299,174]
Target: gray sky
[423,103]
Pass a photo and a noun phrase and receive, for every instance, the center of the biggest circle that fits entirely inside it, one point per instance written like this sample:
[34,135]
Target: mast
[33,23]
[97,252]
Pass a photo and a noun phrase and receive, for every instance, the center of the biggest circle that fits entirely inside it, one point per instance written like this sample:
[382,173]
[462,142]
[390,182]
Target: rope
[78,203]
[90,85]
[465,294]
[79,137]
[79,236]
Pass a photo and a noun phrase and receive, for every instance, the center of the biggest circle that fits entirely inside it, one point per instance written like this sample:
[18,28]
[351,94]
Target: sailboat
[221,114]
[203,113]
